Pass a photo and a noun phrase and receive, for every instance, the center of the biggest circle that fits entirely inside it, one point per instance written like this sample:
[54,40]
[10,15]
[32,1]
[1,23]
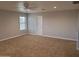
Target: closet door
[39,25]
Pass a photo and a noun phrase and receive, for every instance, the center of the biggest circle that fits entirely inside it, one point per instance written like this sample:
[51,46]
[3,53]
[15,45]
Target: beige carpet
[32,45]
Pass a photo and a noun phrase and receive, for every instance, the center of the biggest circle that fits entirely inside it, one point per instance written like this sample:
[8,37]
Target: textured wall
[9,24]
[57,24]
[60,24]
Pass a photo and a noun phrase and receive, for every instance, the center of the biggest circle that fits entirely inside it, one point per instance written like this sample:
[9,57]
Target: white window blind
[22,23]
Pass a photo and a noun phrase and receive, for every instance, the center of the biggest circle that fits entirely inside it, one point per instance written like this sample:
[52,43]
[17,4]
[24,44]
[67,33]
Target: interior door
[39,25]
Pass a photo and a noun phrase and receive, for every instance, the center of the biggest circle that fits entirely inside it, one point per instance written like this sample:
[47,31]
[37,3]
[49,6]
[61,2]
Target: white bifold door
[35,24]
[39,23]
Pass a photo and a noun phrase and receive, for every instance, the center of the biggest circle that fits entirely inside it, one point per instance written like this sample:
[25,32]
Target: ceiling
[39,6]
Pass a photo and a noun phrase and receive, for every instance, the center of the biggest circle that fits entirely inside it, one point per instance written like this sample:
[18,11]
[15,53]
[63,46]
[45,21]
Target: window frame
[21,23]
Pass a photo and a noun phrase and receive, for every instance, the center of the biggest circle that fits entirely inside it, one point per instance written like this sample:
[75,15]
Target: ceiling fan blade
[29,5]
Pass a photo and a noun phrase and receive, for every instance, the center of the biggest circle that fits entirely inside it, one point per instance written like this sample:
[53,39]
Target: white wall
[60,24]
[55,24]
[9,24]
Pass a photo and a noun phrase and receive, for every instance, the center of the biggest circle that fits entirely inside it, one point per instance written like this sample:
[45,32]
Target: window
[22,23]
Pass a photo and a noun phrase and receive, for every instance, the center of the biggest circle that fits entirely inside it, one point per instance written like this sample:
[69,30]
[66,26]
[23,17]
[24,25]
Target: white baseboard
[60,37]
[56,37]
[77,48]
[43,36]
[12,37]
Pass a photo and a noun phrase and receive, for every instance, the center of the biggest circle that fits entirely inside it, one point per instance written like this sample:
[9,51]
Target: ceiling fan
[29,5]
[75,2]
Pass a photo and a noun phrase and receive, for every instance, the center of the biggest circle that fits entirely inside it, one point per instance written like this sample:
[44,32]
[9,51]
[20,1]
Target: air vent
[75,2]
